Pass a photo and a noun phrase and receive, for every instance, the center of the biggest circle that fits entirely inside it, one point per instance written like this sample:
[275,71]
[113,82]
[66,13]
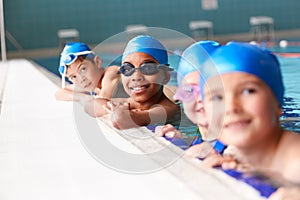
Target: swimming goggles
[127,69]
[187,93]
[68,59]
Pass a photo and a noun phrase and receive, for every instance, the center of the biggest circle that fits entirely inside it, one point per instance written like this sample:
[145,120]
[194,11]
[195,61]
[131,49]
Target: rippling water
[291,77]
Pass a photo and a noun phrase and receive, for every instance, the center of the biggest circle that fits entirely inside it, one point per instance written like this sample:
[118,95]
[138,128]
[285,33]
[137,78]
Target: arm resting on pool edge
[69,94]
[95,107]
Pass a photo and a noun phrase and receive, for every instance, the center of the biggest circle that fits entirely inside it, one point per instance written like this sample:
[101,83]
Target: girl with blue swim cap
[188,80]
[243,94]
[188,91]
[144,71]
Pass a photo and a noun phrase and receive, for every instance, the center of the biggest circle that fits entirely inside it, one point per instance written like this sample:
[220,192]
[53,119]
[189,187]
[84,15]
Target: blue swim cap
[71,51]
[69,54]
[248,58]
[149,45]
[194,56]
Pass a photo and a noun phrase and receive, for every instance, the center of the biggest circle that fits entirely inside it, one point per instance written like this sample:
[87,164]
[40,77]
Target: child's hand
[96,93]
[226,162]
[231,158]
[287,193]
[202,150]
[211,158]
[94,107]
[109,106]
[120,115]
[168,131]
[83,98]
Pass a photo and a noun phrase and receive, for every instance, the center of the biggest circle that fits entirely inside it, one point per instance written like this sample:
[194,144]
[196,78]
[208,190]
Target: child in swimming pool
[144,71]
[188,92]
[91,85]
[243,94]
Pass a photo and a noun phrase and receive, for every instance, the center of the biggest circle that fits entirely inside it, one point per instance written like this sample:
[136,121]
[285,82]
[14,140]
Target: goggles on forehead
[127,69]
[68,59]
[187,93]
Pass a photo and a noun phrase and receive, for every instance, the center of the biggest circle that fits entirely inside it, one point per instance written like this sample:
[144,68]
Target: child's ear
[167,77]
[98,61]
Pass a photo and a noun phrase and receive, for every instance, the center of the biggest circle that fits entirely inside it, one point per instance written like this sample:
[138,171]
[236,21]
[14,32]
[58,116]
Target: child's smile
[239,107]
[237,125]
[139,89]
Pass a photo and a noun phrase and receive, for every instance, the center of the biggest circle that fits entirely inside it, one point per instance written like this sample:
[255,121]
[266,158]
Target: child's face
[140,87]
[85,74]
[242,108]
[188,93]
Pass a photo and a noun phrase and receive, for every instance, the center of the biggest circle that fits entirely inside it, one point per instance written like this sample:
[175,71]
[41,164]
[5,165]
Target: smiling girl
[243,95]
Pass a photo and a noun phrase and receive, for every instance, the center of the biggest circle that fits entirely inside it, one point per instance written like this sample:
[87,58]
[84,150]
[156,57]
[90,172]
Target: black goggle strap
[165,67]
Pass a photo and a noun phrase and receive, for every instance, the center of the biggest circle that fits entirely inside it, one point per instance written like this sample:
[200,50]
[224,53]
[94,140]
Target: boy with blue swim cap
[70,54]
[243,94]
[92,85]
[144,71]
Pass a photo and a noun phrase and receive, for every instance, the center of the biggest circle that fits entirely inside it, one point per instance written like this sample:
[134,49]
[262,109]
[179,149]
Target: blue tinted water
[290,70]
[291,109]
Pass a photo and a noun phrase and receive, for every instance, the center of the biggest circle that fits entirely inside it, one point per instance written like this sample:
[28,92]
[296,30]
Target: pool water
[290,69]
[291,109]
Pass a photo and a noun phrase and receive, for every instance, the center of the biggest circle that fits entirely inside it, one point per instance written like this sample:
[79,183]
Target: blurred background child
[188,94]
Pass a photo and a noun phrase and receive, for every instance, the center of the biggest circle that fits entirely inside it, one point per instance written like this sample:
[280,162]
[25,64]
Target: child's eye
[83,69]
[216,98]
[188,90]
[72,78]
[127,69]
[248,91]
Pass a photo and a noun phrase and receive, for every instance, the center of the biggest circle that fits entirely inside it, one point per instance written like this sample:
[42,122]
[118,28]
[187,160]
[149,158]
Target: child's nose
[200,105]
[232,104]
[137,76]
[198,99]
